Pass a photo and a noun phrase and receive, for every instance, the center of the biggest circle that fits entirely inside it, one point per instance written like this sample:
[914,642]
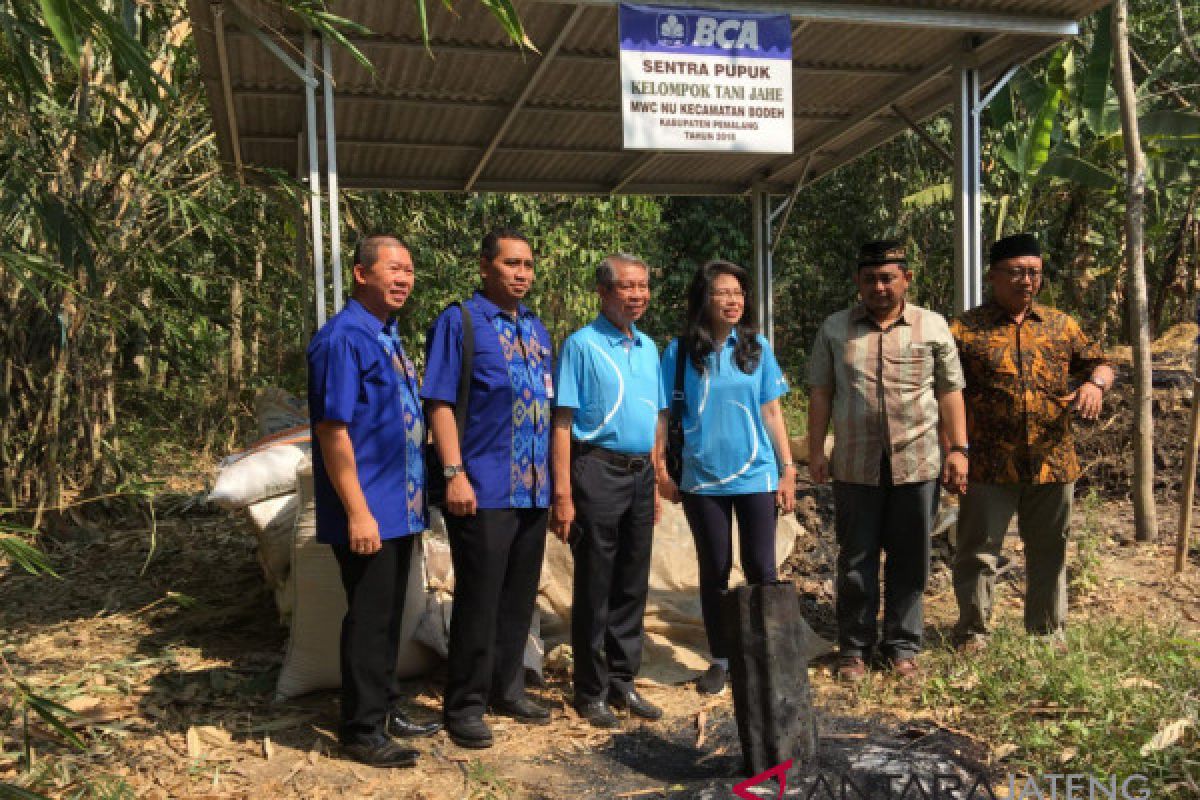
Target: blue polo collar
[615,336]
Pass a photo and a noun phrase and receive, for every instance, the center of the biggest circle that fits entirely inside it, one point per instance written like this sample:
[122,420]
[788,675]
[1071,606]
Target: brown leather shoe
[850,669]
[904,668]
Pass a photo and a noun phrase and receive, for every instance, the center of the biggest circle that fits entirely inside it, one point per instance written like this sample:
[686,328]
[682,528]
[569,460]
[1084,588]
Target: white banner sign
[695,79]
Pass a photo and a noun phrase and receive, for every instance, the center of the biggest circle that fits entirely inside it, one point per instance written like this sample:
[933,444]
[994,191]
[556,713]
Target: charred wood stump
[769,672]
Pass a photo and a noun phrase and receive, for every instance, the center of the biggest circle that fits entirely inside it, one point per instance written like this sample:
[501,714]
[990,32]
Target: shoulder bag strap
[677,399]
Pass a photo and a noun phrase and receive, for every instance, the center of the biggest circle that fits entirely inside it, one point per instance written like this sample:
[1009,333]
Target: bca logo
[727,34]
[671,32]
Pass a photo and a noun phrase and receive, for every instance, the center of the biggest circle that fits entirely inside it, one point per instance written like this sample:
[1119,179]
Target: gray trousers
[895,520]
[1043,520]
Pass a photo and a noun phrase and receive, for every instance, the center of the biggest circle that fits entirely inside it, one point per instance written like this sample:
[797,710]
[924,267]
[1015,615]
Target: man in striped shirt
[887,373]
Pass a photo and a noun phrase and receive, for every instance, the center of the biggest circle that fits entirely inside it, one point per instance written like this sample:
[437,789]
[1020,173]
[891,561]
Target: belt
[627,462]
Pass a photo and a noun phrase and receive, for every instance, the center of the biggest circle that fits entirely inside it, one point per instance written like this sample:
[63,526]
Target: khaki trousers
[1043,521]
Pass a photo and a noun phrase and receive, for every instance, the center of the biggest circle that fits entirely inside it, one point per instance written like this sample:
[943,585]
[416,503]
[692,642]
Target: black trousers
[375,587]
[611,540]
[870,520]
[711,519]
[497,555]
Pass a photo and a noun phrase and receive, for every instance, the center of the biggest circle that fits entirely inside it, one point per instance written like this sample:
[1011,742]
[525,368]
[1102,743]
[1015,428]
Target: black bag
[435,478]
[674,456]
[769,672]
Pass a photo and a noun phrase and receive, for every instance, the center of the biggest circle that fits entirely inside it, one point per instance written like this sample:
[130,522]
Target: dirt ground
[171,670]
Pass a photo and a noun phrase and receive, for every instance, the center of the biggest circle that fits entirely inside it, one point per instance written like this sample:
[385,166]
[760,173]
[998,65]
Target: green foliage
[131,264]
[1083,574]
[1095,708]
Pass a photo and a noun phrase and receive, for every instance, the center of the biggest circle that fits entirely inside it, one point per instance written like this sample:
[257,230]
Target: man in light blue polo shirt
[608,398]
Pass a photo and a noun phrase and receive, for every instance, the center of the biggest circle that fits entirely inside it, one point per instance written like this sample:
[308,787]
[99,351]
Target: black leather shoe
[637,705]
[522,710]
[399,725]
[380,751]
[472,732]
[598,714]
[713,681]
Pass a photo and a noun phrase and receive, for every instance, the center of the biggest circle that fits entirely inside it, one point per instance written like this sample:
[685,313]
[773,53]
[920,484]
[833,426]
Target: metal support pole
[331,177]
[968,193]
[314,180]
[760,213]
[235,141]
[301,222]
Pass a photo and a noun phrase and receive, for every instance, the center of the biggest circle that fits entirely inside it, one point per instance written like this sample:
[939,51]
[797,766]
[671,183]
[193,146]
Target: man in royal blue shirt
[608,398]
[497,485]
[369,481]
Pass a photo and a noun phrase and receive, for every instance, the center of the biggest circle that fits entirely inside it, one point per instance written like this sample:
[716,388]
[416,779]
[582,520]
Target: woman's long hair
[697,329]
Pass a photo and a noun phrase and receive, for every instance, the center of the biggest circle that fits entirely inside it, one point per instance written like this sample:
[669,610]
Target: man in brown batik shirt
[1028,369]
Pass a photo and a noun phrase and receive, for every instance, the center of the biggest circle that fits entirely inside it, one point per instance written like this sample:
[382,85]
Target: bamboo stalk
[1189,467]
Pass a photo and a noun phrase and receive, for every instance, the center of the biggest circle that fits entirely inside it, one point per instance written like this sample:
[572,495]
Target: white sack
[256,475]
[274,522]
[318,604]
[676,647]
[277,410]
[433,626]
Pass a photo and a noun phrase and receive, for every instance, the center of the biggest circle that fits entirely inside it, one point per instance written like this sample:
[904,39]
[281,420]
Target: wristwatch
[450,470]
[1103,384]
[961,448]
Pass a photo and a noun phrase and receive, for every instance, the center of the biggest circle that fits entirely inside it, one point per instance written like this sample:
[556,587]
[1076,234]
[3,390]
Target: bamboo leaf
[510,21]
[27,269]
[59,20]
[53,714]
[29,558]
[29,79]
[423,19]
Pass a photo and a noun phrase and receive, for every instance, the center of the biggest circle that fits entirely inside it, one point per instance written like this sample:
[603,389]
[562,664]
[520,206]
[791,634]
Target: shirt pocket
[996,356]
[910,367]
[490,368]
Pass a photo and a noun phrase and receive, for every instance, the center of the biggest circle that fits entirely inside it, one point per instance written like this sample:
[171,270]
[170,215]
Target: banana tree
[1058,126]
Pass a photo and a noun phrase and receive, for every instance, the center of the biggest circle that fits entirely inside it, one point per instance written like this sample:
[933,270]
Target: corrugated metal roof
[425,118]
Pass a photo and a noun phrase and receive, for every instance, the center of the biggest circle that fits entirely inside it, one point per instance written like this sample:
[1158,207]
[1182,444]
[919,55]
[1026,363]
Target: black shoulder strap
[468,363]
[681,356]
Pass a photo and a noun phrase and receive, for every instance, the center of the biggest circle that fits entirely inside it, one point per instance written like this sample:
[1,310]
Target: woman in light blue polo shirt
[736,456]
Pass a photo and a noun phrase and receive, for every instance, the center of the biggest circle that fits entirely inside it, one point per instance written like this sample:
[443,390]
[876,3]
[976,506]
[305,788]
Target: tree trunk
[1144,512]
[255,314]
[1169,277]
[236,345]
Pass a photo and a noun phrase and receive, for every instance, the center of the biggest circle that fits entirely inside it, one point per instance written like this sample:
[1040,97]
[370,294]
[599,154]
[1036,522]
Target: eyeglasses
[1016,274]
[728,294]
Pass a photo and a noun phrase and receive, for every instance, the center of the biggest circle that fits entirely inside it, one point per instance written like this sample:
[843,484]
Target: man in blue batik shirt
[369,482]
[497,485]
[608,398]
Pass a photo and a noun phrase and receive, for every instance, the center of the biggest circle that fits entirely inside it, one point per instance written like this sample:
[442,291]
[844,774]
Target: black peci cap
[1015,246]
[882,251]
